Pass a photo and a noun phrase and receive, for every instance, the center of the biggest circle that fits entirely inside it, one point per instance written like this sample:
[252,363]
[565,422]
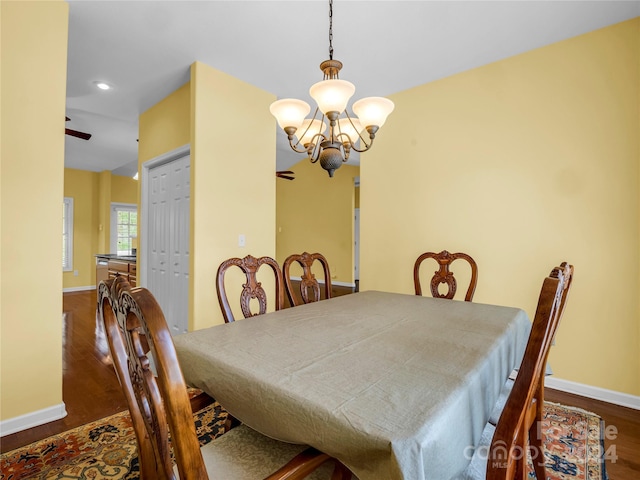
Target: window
[124,228]
[67,234]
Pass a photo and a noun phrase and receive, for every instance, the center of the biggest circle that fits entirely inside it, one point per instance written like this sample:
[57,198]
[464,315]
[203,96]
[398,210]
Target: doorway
[165,255]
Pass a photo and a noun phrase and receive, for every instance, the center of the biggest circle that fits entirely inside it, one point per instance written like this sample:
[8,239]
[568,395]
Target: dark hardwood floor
[91,390]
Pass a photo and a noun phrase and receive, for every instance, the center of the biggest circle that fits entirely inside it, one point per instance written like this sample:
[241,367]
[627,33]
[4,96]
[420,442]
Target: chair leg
[536,437]
[340,472]
[200,401]
[521,461]
[537,451]
[231,422]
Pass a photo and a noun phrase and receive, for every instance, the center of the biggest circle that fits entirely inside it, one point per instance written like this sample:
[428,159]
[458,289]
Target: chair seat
[504,395]
[244,454]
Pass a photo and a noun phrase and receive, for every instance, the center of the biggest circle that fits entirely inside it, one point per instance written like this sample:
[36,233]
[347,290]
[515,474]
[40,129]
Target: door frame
[144,207]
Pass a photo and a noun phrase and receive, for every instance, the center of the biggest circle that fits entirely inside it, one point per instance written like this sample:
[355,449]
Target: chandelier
[307,135]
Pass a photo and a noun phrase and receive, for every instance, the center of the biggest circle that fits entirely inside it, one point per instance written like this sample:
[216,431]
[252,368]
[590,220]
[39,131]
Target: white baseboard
[597,393]
[333,282]
[33,419]
[78,289]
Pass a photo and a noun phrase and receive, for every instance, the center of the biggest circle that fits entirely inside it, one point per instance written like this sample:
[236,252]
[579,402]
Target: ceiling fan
[286,174]
[75,133]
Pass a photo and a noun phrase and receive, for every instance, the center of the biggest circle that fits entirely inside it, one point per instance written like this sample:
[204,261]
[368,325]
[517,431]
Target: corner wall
[93,194]
[524,163]
[232,180]
[315,214]
[33,46]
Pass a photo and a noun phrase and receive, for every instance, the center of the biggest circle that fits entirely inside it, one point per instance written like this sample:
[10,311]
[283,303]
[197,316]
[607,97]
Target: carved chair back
[521,415]
[309,286]
[252,289]
[444,276]
[107,305]
[139,337]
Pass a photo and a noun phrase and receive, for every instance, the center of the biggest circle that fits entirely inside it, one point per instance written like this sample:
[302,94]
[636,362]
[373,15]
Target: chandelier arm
[351,143]
[367,146]
[314,149]
[293,146]
[311,122]
[320,137]
[314,153]
[359,134]
[342,134]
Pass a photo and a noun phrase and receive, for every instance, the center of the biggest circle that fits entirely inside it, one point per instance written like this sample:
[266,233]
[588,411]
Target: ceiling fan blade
[286,174]
[75,133]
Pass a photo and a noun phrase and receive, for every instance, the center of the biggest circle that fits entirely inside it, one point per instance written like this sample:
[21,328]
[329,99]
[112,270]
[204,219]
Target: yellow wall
[124,189]
[232,175]
[104,211]
[523,163]
[34,46]
[92,195]
[315,214]
[232,180]
[165,126]
[82,186]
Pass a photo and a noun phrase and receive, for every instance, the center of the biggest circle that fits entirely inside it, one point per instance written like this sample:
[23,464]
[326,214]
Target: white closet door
[168,272]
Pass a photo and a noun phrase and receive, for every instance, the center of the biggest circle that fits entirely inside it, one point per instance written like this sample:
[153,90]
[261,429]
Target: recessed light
[103,85]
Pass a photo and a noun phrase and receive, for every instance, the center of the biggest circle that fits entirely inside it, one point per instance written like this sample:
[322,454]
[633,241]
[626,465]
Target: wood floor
[91,390]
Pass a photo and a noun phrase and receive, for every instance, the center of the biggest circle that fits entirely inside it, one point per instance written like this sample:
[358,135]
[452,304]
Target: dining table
[395,386]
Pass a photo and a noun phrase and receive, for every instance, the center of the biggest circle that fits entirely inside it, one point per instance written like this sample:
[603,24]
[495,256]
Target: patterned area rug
[106,449]
[573,445]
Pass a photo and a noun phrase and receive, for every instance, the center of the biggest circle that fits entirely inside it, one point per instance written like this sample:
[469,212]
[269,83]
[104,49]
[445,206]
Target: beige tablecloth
[395,386]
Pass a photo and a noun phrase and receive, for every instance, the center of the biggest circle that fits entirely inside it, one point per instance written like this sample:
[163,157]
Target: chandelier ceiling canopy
[345,132]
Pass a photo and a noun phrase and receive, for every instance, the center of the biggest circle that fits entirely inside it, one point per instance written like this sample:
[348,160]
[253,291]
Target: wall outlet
[75,273]
[242,240]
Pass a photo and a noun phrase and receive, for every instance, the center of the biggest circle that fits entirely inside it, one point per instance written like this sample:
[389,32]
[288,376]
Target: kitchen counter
[113,256]
[109,265]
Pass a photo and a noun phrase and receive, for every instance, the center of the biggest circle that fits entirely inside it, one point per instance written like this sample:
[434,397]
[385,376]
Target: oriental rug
[106,449]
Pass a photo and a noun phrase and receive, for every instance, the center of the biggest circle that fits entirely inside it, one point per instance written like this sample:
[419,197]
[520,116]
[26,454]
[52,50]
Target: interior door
[168,201]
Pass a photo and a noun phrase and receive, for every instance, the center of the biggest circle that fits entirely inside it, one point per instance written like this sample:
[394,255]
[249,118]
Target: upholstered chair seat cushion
[244,454]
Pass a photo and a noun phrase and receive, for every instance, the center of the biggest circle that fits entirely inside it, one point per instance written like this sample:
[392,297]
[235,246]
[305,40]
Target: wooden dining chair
[508,386]
[500,453]
[445,276]
[309,290]
[159,406]
[252,289]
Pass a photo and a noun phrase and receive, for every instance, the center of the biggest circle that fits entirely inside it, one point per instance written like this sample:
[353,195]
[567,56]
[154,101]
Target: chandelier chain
[331,29]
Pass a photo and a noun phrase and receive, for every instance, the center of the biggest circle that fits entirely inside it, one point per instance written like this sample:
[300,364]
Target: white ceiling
[144,49]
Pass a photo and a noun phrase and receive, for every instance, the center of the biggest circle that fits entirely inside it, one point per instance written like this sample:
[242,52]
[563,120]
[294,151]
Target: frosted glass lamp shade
[345,126]
[289,112]
[332,95]
[373,110]
[306,136]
